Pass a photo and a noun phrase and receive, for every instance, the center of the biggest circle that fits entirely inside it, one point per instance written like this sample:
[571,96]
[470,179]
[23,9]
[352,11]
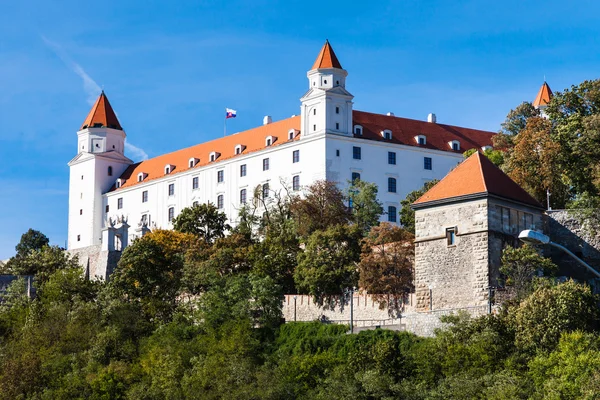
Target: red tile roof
[326,58]
[543,97]
[477,175]
[253,140]
[403,132]
[101,115]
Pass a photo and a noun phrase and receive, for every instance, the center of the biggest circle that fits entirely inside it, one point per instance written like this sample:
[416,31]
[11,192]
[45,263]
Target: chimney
[267,120]
[431,118]
[390,114]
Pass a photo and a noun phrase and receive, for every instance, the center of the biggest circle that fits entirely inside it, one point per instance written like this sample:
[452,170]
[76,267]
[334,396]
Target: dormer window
[169,168]
[213,156]
[358,130]
[292,134]
[192,162]
[141,176]
[486,148]
[239,149]
[421,140]
[387,134]
[270,140]
[454,145]
[120,182]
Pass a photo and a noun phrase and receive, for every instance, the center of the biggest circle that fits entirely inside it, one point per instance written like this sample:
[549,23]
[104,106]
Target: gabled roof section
[476,176]
[102,115]
[544,96]
[253,139]
[404,131]
[326,58]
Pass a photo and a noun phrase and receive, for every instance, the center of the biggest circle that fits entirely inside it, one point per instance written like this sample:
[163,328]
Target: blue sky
[170,69]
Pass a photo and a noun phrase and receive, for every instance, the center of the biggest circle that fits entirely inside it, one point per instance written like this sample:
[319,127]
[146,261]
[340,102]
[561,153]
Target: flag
[229,113]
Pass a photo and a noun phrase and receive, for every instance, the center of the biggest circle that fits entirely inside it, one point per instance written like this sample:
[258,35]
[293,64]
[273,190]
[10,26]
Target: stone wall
[368,314]
[97,263]
[564,227]
[454,276]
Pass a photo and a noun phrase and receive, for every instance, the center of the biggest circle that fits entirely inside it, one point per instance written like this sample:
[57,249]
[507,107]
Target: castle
[113,200]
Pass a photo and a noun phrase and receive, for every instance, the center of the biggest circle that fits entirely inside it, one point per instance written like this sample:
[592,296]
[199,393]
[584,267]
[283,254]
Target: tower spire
[102,115]
[543,97]
[326,58]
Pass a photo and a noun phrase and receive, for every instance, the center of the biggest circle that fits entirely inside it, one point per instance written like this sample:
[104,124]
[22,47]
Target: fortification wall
[97,263]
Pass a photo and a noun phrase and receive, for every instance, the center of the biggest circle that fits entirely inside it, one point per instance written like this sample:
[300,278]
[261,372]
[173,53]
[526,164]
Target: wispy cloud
[135,152]
[91,88]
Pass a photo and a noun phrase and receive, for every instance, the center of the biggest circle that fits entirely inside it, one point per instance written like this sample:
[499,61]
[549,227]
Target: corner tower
[327,106]
[100,160]
[543,98]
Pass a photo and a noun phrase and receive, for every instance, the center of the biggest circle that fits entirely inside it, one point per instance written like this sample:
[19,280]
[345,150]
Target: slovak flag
[229,113]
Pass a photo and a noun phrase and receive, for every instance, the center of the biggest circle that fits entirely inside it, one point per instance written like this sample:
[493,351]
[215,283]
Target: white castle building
[112,199]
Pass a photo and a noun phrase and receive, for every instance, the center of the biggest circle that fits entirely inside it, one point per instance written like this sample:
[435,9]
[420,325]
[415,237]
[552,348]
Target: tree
[31,240]
[407,214]
[535,163]
[366,209]
[549,311]
[386,264]
[322,206]
[517,119]
[495,156]
[42,262]
[328,265]
[202,220]
[521,266]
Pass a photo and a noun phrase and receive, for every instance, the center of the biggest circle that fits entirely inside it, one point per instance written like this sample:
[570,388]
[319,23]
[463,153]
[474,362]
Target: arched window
[358,130]
[392,185]
[220,202]
[387,134]
[109,171]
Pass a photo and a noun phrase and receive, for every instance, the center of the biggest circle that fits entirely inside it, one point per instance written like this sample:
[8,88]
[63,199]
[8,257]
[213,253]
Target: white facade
[326,151]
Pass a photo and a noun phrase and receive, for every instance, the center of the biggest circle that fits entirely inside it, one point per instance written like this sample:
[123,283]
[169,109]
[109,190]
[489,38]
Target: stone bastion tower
[461,226]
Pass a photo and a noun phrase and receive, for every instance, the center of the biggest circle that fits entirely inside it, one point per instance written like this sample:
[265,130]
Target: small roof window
[358,130]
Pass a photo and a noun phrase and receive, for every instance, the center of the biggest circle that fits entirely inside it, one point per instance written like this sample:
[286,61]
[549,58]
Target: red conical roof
[326,58]
[477,175]
[102,115]
[543,97]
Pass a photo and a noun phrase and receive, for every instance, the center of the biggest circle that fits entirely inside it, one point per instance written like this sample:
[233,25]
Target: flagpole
[225,124]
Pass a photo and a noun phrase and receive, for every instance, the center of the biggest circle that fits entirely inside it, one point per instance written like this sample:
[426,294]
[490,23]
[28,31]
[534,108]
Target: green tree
[328,265]
[42,262]
[407,214]
[322,206]
[517,119]
[521,266]
[366,208]
[386,264]
[549,311]
[202,220]
[31,241]
[495,156]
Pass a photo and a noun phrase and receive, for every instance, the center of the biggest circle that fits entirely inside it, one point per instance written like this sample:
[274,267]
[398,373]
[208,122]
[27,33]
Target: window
[392,185]
[78,238]
[337,153]
[171,213]
[195,203]
[296,182]
[337,110]
[243,196]
[106,209]
[268,142]
[505,218]
[355,176]
[337,126]
[109,171]
[314,128]
[80,211]
[421,140]
[243,170]
[212,157]
[427,163]
[314,111]
[387,134]
[265,190]
[119,203]
[140,177]
[392,157]
[265,164]
[358,130]
[145,196]
[296,156]
[192,162]
[451,236]
[392,214]
[220,176]
[171,189]
[168,169]
[195,182]
[356,153]
[220,202]
[144,219]
[454,145]
[238,149]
